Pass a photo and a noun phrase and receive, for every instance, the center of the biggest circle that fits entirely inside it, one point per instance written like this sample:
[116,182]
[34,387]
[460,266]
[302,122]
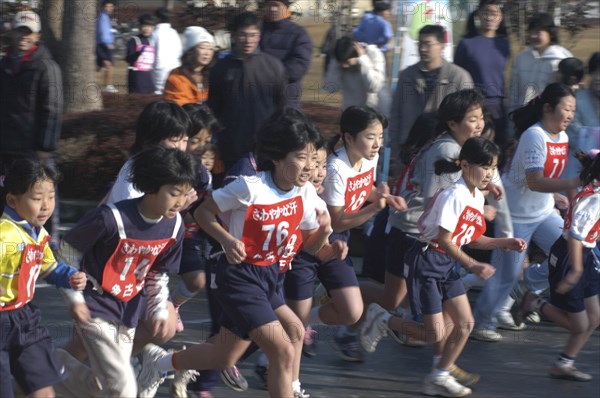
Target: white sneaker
[374,327]
[111,89]
[506,321]
[445,386]
[483,334]
[150,378]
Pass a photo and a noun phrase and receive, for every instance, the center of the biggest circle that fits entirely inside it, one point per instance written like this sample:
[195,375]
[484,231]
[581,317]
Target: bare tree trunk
[82,93]
[52,16]
[169,4]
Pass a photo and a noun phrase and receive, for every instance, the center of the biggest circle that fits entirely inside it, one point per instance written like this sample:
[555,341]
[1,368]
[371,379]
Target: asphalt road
[515,367]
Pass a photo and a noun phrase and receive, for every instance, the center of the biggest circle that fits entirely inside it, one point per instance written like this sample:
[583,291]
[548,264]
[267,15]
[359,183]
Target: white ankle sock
[296,386]
[437,372]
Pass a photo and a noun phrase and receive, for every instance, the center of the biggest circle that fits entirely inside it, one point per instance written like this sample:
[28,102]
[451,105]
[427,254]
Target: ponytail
[476,150]
[590,167]
[530,114]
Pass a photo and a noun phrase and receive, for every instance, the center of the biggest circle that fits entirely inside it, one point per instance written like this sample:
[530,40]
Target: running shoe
[445,386]
[569,373]
[234,379]
[374,327]
[463,377]
[150,377]
[348,347]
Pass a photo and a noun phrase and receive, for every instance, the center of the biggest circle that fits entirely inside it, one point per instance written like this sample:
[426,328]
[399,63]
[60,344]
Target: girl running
[348,186]
[532,183]
[271,215]
[574,279]
[453,218]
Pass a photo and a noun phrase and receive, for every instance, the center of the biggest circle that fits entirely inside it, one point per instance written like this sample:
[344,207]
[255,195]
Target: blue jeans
[508,265]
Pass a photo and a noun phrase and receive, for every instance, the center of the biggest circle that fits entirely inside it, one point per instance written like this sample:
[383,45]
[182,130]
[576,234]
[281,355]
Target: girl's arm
[487,243]
[482,270]
[341,221]
[537,182]
[569,281]
[315,239]
[205,216]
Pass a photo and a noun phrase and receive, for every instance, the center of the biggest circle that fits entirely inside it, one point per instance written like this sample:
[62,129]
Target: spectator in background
[533,69]
[358,70]
[584,130]
[168,49]
[484,52]
[31,100]
[105,44]
[288,42]
[570,73]
[374,28]
[188,84]
[422,86]
[140,56]
[246,87]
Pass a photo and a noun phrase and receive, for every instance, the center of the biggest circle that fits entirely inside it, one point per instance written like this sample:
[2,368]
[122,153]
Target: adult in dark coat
[246,87]
[288,42]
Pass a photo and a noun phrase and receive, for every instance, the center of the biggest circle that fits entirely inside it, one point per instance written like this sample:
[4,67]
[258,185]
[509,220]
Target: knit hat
[29,19]
[195,35]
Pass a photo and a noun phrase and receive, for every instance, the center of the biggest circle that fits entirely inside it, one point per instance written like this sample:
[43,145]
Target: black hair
[159,121]
[24,173]
[476,151]
[528,115]
[590,167]
[105,2]
[421,132]
[572,70]
[455,106]
[489,128]
[157,166]
[22,176]
[379,6]
[201,118]
[472,29]
[344,49]
[163,14]
[245,20]
[545,22]
[354,120]
[594,62]
[285,131]
[146,19]
[437,30]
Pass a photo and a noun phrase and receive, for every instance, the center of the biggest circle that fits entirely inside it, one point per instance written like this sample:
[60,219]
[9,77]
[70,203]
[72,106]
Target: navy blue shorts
[559,265]
[248,295]
[103,53]
[397,245]
[195,253]
[432,279]
[300,280]
[26,352]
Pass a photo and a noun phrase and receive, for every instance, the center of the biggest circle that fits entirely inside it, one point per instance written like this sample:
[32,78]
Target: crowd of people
[232,190]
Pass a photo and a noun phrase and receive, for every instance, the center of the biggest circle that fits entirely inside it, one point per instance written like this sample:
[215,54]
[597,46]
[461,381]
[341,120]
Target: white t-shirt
[266,219]
[582,221]
[345,186]
[455,210]
[123,188]
[537,150]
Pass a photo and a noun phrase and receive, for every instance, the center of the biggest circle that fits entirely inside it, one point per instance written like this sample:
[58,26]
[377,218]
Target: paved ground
[515,367]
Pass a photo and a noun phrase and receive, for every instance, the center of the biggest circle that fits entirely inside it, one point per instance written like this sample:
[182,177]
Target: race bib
[145,61]
[471,225]
[556,159]
[358,189]
[272,232]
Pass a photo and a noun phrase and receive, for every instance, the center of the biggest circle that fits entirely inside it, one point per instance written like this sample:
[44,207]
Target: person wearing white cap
[31,100]
[189,83]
